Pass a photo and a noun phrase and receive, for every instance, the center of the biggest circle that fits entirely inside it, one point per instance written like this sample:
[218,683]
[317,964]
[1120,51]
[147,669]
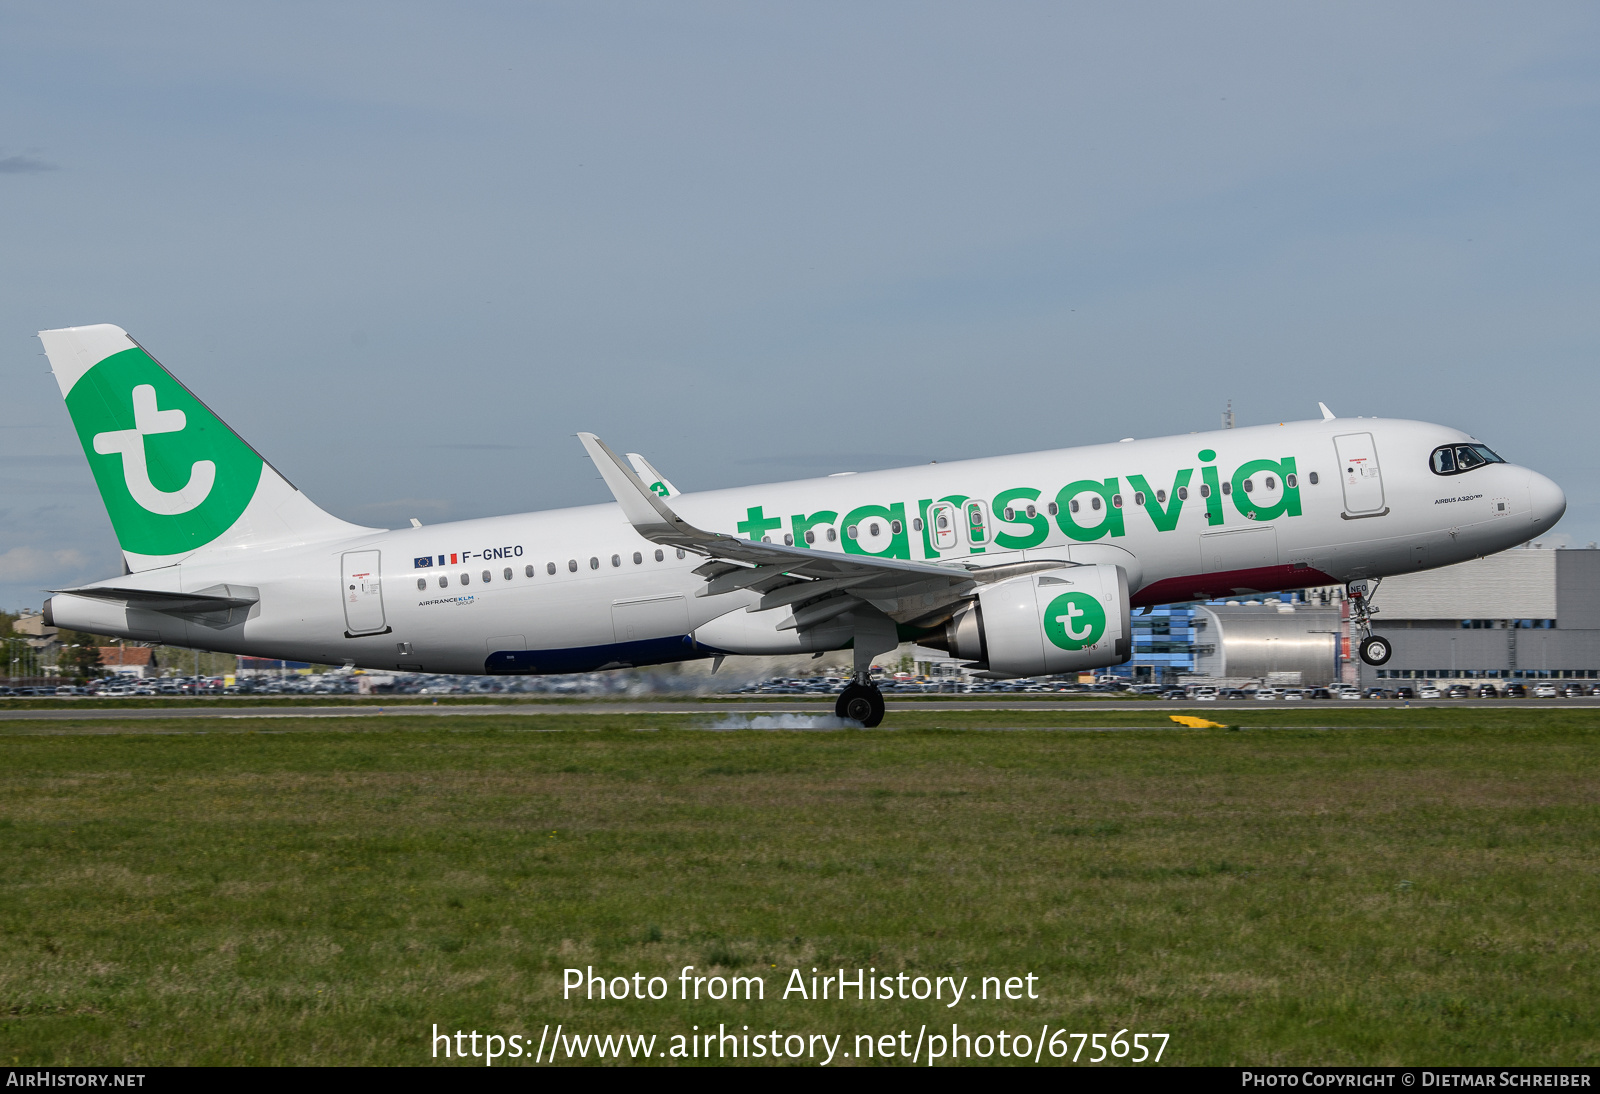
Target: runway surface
[200,709]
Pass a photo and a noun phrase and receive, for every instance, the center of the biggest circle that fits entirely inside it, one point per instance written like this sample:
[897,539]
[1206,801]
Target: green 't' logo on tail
[173,477]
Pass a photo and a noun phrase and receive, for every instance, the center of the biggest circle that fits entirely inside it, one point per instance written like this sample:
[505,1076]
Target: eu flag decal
[422,563]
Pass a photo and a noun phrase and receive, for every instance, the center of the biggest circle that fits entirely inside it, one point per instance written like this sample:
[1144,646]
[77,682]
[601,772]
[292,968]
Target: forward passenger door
[1360,475]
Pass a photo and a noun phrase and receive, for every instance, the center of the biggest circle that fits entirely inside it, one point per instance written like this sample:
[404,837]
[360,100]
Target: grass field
[1418,886]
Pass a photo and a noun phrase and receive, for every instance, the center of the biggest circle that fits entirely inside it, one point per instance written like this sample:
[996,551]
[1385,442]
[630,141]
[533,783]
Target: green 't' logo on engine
[173,477]
[1074,621]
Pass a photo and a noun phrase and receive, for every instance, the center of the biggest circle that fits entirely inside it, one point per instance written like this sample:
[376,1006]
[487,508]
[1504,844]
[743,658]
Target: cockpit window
[1453,459]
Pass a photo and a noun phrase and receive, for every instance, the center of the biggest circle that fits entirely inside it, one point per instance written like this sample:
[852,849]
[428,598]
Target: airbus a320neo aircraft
[1019,565]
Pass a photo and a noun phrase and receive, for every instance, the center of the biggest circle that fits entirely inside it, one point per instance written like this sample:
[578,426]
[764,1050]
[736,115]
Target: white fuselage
[480,595]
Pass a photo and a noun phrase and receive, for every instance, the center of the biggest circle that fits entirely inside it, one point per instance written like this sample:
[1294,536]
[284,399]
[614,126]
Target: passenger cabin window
[486,576]
[572,565]
[638,559]
[1312,477]
[788,539]
[444,582]
[549,567]
[466,579]
[616,560]
[594,562]
[508,573]
[660,555]
[1452,459]
[422,583]
[528,569]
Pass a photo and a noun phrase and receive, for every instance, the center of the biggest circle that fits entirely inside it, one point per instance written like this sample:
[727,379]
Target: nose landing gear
[860,701]
[1374,649]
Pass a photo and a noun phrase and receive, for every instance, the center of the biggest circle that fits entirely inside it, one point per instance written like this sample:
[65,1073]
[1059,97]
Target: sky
[409,250]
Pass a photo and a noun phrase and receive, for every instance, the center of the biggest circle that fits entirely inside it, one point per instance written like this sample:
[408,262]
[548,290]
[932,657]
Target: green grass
[1416,887]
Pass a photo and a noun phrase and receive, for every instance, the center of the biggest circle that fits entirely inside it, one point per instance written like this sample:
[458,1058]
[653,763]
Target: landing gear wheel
[1376,650]
[860,703]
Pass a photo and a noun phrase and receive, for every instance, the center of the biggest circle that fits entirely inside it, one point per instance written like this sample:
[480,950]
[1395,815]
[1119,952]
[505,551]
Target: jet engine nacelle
[1058,621]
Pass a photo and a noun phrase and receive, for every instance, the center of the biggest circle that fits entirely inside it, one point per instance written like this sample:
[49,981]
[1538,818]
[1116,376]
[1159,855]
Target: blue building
[1163,645]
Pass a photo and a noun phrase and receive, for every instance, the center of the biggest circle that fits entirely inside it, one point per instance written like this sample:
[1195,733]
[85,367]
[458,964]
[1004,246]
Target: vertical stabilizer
[174,478]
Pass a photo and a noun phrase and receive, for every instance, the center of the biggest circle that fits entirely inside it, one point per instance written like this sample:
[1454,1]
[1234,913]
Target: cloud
[38,564]
[23,165]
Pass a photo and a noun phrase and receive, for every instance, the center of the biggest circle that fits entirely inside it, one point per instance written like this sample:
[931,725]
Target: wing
[818,585]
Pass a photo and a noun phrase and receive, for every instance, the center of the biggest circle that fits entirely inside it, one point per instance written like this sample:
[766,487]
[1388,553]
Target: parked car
[1320,693]
[1349,693]
[1540,691]
[1488,691]
[1234,693]
[1263,694]
[1293,693]
[1458,691]
[1405,693]
[1376,693]
[1573,691]
[1427,693]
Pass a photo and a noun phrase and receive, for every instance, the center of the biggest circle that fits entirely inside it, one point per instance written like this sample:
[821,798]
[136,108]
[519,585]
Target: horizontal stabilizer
[216,600]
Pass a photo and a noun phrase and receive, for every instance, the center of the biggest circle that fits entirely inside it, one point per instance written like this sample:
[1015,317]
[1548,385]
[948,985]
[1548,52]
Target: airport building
[1525,614]
[1289,641]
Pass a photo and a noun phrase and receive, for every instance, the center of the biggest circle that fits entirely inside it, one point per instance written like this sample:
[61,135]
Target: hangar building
[1290,642]
[1528,613]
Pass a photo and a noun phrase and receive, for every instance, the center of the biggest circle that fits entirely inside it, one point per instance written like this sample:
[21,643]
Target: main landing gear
[1375,649]
[860,701]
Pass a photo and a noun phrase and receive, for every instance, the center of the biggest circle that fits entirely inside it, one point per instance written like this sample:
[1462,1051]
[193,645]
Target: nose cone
[1546,502]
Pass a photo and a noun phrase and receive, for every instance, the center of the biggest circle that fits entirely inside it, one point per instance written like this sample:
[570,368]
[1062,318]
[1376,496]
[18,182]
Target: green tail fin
[174,478]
